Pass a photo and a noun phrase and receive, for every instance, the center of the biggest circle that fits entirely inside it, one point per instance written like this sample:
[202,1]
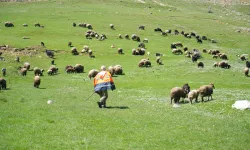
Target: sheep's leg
[202,99]
[171,100]
[190,100]
[211,97]
[196,99]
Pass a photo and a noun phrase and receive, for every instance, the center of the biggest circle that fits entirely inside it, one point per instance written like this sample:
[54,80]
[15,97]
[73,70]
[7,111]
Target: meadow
[139,113]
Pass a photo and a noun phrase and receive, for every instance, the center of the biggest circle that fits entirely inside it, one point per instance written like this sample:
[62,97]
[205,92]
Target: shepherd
[102,83]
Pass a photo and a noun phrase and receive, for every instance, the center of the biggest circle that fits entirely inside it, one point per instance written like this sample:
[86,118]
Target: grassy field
[139,113]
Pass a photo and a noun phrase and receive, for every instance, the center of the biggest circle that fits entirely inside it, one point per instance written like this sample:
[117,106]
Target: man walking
[102,83]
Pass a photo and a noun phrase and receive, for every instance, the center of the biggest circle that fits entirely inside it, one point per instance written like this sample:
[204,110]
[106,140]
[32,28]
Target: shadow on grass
[41,88]
[117,107]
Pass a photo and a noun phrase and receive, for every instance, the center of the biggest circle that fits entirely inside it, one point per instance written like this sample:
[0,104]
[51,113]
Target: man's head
[103,68]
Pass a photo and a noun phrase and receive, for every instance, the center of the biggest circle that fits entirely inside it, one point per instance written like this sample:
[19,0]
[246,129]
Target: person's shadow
[117,107]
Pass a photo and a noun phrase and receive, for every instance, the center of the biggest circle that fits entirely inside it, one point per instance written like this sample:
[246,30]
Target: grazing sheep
[194,58]
[50,72]
[53,69]
[120,51]
[118,69]
[223,56]
[25,25]
[74,51]
[164,34]
[248,64]
[119,36]
[199,41]
[176,93]
[23,71]
[17,59]
[200,64]
[204,37]
[79,68]
[215,56]
[159,61]
[126,36]
[243,57]
[206,91]
[193,94]
[49,53]
[37,25]
[38,71]
[158,30]
[37,81]
[111,70]
[3,84]
[224,64]
[204,50]
[177,51]
[74,24]
[112,26]
[246,71]
[185,49]
[92,73]
[9,24]
[142,27]
[145,40]
[112,46]
[69,44]
[89,26]
[144,63]
[141,45]
[26,65]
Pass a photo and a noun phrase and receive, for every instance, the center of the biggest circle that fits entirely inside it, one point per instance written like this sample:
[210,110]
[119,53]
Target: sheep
[159,61]
[206,91]
[216,64]
[53,69]
[246,71]
[38,71]
[74,51]
[223,56]
[74,24]
[145,40]
[79,68]
[50,72]
[37,25]
[9,24]
[69,44]
[199,41]
[224,64]
[176,93]
[25,25]
[120,51]
[26,65]
[200,64]
[158,30]
[112,46]
[177,51]
[118,69]
[23,71]
[243,57]
[49,53]
[141,27]
[144,63]
[37,81]
[92,73]
[119,36]
[126,36]
[111,70]
[112,26]
[3,84]
[204,37]
[248,64]
[204,50]
[89,26]
[193,94]
[141,45]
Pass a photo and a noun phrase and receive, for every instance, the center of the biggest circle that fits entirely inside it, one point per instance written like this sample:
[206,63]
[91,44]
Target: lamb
[159,61]
[193,94]
[142,27]
[118,69]
[246,71]
[3,84]
[176,93]
[69,44]
[53,69]
[206,91]
[126,36]
[37,81]
[92,73]
[25,25]
[9,24]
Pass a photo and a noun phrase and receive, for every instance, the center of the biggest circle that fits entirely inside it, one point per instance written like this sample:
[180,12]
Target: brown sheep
[23,71]
[53,69]
[92,73]
[111,70]
[206,91]
[26,65]
[118,69]
[79,68]
[176,93]
[37,81]
[246,71]
[224,64]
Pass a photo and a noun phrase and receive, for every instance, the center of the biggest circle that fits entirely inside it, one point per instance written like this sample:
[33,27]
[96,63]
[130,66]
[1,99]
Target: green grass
[140,116]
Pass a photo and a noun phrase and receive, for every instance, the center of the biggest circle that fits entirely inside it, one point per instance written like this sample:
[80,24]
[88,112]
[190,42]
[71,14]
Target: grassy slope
[147,121]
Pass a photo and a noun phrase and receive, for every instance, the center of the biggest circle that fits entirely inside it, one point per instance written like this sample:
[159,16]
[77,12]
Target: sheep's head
[212,85]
